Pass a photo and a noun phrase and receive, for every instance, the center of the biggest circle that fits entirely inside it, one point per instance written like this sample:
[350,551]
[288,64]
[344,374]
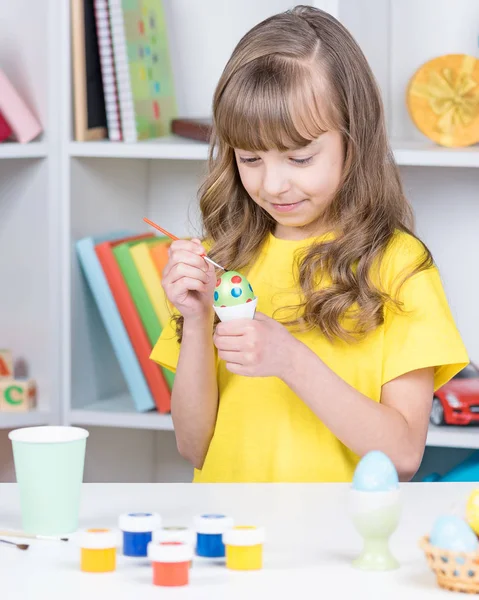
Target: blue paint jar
[209,534]
[138,531]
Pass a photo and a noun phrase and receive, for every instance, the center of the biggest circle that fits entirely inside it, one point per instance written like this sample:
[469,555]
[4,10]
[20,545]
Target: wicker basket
[462,576]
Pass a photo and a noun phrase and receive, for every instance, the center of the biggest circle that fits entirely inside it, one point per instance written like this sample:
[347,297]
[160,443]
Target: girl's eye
[298,161]
[302,161]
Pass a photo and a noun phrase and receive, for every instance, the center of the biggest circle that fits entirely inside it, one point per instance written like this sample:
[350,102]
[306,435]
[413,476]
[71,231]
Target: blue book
[130,367]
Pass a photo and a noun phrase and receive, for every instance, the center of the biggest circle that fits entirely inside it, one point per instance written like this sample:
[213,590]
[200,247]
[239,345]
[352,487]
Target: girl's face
[294,187]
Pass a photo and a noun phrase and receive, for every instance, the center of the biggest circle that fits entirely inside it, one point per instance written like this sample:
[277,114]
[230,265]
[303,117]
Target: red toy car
[457,401]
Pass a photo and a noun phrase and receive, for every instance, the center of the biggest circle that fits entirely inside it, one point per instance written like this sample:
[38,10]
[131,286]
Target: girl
[353,332]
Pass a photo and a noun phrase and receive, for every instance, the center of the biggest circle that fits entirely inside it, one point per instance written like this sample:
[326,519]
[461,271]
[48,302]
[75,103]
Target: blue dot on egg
[249,285]
[216,296]
[375,473]
[236,292]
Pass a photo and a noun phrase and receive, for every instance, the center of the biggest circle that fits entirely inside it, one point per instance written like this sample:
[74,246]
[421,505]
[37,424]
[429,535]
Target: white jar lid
[244,536]
[139,522]
[96,539]
[174,534]
[170,552]
[213,523]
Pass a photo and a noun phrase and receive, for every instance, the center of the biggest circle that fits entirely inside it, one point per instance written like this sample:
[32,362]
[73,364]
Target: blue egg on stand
[375,510]
[375,472]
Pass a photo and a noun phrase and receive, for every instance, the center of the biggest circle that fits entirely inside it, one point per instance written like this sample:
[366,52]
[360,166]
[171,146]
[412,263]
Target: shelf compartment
[171,147]
[9,150]
[453,436]
[118,411]
[14,420]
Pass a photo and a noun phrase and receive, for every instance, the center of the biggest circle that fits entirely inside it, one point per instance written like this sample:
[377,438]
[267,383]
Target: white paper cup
[240,311]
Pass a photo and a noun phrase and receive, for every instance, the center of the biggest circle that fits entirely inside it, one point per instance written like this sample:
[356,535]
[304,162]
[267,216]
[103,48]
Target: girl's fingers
[185,285]
[228,343]
[181,270]
[192,246]
[228,356]
[184,257]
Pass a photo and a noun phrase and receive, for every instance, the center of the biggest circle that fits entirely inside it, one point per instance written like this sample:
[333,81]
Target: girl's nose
[275,181]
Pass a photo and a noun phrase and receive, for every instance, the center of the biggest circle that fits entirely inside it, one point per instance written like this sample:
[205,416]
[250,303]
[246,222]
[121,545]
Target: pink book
[5,130]
[24,125]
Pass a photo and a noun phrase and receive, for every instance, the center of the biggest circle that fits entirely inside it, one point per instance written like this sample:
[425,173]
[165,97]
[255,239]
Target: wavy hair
[271,96]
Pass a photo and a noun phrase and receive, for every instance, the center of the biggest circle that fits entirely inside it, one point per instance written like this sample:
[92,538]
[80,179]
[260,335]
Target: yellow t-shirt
[264,432]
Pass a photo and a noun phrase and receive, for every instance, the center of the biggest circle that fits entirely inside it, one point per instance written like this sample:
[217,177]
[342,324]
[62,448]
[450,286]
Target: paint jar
[244,548]
[209,534]
[98,550]
[171,563]
[137,531]
[174,533]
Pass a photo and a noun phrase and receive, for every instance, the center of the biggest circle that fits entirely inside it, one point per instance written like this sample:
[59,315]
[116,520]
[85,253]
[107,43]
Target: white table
[310,544]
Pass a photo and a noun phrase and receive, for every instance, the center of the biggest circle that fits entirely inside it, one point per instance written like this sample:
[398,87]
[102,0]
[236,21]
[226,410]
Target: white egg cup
[375,516]
[246,310]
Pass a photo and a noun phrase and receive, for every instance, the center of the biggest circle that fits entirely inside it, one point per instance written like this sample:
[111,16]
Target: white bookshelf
[56,190]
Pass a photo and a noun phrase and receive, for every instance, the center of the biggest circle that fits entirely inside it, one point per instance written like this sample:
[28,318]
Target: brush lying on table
[21,534]
[19,546]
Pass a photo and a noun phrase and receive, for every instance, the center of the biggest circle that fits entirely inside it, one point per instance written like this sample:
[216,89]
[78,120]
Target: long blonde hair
[268,97]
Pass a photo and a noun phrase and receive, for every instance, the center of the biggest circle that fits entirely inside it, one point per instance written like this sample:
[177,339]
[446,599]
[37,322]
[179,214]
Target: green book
[139,294]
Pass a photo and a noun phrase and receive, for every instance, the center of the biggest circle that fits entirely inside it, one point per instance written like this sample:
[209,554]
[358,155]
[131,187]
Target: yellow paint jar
[244,548]
[98,550]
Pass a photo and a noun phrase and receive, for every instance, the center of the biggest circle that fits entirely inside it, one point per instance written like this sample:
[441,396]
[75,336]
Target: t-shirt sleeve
[166,351]
[421,333]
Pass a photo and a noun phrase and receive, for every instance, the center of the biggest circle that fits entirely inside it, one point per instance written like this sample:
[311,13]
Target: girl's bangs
[272,104]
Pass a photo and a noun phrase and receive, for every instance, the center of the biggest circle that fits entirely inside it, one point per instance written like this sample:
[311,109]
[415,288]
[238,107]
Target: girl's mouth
[287,207]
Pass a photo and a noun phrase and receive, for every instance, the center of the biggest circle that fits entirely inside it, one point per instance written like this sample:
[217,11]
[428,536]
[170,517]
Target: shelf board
[171,147]
[428,154]
[406,152]
[16,150]
[12,420]
[449,436]
[119,412]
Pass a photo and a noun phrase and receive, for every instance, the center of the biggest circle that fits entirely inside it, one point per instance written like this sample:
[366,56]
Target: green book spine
[140,296]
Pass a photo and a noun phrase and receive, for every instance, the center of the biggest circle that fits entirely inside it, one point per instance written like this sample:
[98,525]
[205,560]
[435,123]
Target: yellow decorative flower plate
[443,100]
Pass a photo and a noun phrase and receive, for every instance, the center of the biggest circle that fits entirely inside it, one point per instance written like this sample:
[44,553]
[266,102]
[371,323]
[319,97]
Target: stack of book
[122,74]
[124,271]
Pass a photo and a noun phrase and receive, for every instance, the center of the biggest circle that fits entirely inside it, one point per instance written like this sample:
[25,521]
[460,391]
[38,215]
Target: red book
[131,319]
[5,129]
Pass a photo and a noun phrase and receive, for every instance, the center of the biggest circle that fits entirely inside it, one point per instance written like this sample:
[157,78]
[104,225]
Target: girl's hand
[189,280]
[260,347]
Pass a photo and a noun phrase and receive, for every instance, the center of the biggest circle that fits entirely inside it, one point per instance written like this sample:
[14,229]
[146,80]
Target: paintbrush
[19,546]
[21,534]
[174,238]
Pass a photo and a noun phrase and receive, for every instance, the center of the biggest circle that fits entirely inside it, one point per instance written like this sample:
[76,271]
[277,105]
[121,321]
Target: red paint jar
[171,563]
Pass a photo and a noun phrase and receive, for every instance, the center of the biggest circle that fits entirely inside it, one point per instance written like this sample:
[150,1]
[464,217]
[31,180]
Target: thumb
[259,316]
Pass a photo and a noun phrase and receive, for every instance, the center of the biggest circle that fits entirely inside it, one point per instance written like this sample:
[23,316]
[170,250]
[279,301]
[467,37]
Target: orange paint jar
[171,563]
[98,550]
